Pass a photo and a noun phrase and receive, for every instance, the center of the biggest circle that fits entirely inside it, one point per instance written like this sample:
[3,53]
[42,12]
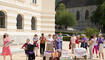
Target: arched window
[33,23]
[2,19]
[86,15]
[19,21]
[78,15]
[34,1]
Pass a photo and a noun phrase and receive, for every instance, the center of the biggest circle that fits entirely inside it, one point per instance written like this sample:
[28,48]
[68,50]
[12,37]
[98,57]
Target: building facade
[21,19]
[82,9]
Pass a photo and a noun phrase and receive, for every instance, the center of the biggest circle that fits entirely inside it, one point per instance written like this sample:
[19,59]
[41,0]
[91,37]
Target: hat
[83,35]
[5,34]
[100,35]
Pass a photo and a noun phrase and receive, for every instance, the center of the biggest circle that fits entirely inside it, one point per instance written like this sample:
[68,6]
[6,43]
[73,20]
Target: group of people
[54,42]
[95,44]
[49,43]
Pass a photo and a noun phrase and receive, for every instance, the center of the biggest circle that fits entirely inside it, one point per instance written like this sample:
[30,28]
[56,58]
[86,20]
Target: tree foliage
[63,17]
[99,2]
[99,15]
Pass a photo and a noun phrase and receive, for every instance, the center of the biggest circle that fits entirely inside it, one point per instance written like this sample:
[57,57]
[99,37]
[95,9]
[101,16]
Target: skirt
[101,48]
[49,47]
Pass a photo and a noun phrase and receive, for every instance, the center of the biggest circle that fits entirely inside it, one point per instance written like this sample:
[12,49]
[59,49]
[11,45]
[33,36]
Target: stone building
[21,19]
[82,9]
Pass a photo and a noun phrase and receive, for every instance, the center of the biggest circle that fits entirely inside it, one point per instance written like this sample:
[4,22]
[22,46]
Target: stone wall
[45,20]
[82,23]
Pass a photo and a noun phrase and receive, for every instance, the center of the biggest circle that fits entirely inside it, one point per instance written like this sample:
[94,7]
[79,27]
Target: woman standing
[35,43]
[55,42]
[84,41]
[100,42]
[77,40]
[49,43]
[73,44]
[95,46]
[6,49]
[91,45]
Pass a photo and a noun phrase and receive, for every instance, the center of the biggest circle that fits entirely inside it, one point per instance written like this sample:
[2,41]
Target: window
[78,15]
[21,0]
[86,15]
[2,19]
[19,21]
[34,1]
[33,23]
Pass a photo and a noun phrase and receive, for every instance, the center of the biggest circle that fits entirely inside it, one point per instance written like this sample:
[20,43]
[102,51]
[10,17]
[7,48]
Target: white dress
[49,44]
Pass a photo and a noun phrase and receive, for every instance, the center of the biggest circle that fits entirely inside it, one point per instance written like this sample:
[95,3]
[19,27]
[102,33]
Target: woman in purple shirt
[100,42]
[84,41]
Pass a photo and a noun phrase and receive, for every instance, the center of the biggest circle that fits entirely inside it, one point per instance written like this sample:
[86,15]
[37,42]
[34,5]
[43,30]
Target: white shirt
[92,43]
[49,40]
[73,38]
[95,41]
[35,39]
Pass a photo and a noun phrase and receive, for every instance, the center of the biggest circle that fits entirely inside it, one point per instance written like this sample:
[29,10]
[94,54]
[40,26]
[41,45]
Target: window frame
[22,22]
[86,14]
[78,15]
[35,21]
[5,19]
[34,1]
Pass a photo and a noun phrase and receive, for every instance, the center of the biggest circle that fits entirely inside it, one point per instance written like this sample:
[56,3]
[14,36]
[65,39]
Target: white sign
[65,53]
[80,52]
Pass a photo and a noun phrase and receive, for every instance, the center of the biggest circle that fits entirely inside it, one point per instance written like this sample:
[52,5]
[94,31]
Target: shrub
[66,38]
[65,32]
[91,31]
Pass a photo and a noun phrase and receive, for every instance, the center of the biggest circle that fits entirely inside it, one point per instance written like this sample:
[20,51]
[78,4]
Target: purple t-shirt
[100,40]
[84,39]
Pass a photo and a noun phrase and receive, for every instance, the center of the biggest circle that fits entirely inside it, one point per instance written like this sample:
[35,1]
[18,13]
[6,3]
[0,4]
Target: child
[35,43]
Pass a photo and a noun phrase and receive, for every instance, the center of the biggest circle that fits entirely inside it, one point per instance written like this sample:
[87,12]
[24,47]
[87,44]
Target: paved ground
[18,53]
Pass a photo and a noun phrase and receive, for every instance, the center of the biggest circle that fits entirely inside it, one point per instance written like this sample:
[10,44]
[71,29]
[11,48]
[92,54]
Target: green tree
[99,2]
[99,16]
[63,17]
[56,2]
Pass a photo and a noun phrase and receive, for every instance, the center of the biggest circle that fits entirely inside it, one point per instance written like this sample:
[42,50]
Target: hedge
[65,32]
[66,38]
[70,33]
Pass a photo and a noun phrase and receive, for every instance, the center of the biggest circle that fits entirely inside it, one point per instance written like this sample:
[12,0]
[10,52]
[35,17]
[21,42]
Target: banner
[80,52]
[48,53]
[64,53]
[9,43]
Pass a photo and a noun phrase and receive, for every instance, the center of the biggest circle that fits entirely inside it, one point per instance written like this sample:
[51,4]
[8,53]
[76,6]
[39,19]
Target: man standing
[42,43]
